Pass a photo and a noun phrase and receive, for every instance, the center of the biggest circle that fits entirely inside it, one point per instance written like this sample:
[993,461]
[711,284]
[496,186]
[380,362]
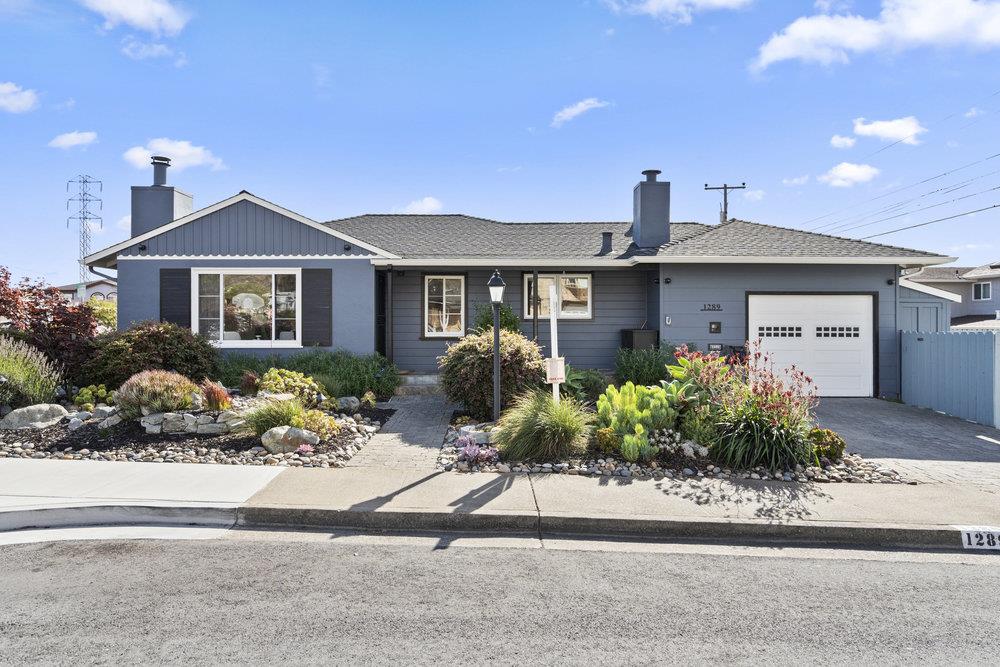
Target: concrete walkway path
[411,438]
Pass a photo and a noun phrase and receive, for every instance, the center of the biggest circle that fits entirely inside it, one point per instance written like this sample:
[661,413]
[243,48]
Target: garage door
[829,336]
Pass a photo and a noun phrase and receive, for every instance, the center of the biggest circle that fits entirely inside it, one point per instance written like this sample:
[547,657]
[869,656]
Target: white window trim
[442,334]
[297,343]
[562,316]
[989,287]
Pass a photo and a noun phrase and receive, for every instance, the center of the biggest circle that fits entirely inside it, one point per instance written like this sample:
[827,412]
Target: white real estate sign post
[555,366]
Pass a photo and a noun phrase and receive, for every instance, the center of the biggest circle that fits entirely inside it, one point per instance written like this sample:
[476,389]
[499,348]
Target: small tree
[105,311]
[484,318]
[467,370]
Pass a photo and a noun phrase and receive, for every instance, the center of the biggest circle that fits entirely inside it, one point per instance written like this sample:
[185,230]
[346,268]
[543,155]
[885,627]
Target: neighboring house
[258,277]
[103,290]
[977,286]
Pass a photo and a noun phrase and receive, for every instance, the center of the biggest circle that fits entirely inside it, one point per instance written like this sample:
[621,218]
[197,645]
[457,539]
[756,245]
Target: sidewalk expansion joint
[538,510]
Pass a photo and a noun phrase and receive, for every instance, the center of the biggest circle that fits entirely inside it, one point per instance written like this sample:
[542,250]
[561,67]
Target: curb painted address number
[976,538]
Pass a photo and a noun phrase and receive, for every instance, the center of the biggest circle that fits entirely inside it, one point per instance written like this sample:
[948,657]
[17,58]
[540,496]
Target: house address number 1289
[711,307]
[981,539]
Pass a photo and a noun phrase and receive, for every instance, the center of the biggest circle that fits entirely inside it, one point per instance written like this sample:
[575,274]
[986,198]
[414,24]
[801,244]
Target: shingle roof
[461,236]
[932,274]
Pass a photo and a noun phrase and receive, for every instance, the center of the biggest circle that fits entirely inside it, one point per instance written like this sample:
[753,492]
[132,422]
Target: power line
[905,187]
[930,222]
[925,208]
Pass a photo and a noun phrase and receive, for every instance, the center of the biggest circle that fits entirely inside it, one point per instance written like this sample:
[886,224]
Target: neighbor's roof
[955,274]
[437,237]
[74,286]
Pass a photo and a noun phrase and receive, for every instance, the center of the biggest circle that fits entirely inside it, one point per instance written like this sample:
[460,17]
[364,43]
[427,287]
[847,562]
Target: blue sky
[508,110]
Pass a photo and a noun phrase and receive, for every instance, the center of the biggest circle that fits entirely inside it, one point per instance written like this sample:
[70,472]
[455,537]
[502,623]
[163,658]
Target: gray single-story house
[254,276]
[973,285]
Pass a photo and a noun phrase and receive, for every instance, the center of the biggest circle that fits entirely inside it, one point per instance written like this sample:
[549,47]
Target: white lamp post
[496,286]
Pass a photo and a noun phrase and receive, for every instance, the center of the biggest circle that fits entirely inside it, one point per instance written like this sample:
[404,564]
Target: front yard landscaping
[706,417]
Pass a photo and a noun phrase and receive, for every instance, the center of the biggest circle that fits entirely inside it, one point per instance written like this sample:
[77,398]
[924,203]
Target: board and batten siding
[919,311]
[619,302]
[695,289]
[244,228]
[352,290]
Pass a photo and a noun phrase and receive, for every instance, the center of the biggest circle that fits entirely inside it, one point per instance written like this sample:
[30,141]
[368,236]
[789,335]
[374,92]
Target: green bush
[320,423]
[636,410]
[606,441]
[30,377]
[467,370]
[484,318]
[282,381]
[150,346]
[105,312]
[644,367]
[535,427]
[88,397]
[827,443]
[275,413]
[698,424]
[157,391]
[584,384]
[341,373]
[749,436]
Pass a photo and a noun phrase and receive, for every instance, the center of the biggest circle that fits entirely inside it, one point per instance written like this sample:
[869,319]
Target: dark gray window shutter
[175,296]
[317,307]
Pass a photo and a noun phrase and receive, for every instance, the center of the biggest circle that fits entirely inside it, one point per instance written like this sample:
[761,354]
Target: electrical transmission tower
[725,187]
[82,202]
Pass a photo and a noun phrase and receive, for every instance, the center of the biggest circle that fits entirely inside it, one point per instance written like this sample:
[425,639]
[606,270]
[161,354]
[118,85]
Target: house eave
[933,291]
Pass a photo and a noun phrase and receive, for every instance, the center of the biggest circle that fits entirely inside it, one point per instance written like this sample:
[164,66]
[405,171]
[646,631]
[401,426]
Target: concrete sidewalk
[54,493]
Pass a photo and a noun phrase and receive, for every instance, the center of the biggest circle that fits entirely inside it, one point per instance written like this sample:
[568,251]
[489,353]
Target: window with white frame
[248,307]
[981,291]
[575,292]
[444,306]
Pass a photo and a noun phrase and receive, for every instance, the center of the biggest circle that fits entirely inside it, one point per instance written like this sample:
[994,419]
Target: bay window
[574,290]
[444,306]
[247,307]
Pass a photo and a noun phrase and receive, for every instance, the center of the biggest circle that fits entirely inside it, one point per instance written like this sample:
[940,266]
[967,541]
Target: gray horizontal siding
[244,228]
[694,285]
[619,301]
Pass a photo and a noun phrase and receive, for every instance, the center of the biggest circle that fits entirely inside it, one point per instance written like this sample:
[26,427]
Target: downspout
[102,275]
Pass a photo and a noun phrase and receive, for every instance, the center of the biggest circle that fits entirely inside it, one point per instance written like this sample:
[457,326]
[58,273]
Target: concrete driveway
[923,444]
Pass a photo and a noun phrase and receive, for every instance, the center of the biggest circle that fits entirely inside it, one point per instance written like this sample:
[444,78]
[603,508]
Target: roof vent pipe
[605,243]
[160,164]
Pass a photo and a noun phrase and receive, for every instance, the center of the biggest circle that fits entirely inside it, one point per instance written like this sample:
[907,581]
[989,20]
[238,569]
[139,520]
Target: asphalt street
[316,598]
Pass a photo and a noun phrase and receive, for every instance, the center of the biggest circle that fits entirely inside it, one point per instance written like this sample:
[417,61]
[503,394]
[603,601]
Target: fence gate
[955,372]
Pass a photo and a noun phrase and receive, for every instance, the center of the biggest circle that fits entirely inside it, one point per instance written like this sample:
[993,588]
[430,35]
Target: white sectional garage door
[829,336]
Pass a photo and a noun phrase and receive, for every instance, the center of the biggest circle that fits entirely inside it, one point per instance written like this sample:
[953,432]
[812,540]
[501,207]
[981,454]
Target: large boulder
[348,404]
[42,415]
[284,439]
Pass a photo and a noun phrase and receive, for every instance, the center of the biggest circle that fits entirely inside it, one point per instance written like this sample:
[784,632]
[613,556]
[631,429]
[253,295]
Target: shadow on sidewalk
[768,500]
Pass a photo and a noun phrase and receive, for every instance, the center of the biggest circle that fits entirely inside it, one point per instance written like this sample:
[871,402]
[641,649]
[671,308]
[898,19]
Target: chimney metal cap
[651,175]
[160,159]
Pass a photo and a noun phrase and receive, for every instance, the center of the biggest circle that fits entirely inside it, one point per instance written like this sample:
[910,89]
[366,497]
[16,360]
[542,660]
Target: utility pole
[725,187]
[82,201]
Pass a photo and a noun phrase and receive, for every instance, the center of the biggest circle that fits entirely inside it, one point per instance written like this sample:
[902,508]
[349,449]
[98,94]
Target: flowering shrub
[27,376]
[827,443]
[275,413]
[469,451]
[156,391]
[304,449]
[149,346]
[88,397]
[709,375]
[467,370]
[320,423]
[765,417]
[282,381]
[215,395]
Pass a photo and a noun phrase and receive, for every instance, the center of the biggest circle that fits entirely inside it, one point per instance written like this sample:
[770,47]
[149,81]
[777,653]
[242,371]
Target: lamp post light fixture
[496,286]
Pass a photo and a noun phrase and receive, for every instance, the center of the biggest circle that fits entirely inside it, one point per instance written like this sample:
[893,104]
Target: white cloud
[508,170]
[970,246]
[905,129]
[847,174]
[901,24]
[567,114]
[795,180]
[609,32]
[139,50]
[753,195]
[124,222]
[182,154]
[73,139]
[424,206]
[15,99]
[65,105]
[157,17]
[840,141]
[828,6]
[675,11]
[973,112]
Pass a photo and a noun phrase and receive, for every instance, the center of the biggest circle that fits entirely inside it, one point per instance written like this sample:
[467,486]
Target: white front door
[829,336]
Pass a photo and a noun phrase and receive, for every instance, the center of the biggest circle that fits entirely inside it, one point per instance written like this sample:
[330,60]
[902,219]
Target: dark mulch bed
[131,434]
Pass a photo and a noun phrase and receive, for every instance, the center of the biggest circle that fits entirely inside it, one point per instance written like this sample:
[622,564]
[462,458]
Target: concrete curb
[117,515]
[728,531]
